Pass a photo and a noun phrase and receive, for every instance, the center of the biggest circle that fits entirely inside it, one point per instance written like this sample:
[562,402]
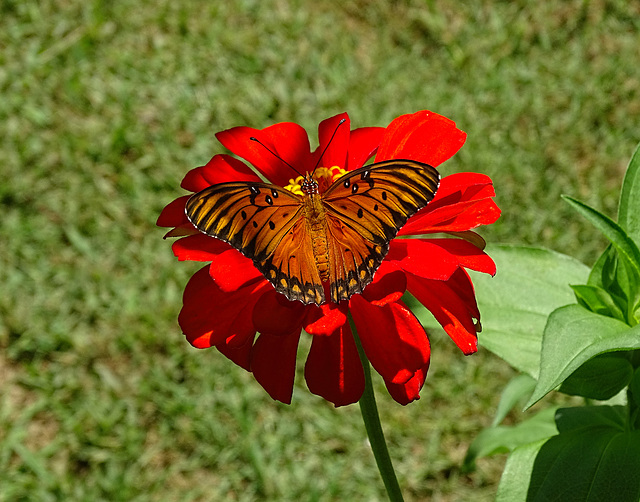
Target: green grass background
[104,106]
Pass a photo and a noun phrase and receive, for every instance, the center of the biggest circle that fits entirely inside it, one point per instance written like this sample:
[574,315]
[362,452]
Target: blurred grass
[106,105]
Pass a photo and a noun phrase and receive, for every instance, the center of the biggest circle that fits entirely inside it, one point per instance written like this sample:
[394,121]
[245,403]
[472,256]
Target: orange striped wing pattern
[360,213]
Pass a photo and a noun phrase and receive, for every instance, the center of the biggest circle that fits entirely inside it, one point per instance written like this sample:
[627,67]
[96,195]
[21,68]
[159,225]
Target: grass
[106,105]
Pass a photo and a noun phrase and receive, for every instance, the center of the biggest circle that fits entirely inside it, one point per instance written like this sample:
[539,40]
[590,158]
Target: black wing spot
[384,196]
[360,213]
[255,225]
[274,193]
[346,183]
[268,200]
[285,215]
[272,225]
[244,215]
[366,176]
[254,193]
[354,188]
[375,208]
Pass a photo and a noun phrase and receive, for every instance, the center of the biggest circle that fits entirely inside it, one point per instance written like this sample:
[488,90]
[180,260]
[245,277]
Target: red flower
[230,305]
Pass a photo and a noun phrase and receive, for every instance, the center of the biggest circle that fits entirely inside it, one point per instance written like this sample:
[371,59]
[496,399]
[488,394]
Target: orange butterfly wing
[365,209]
[265,223]
[292,268]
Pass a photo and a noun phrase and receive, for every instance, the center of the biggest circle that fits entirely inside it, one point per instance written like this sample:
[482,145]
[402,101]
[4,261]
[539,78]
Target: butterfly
[299,242]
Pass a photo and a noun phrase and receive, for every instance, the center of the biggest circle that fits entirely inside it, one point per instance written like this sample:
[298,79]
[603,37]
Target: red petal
[463,186]
[199,247]
[363,143]
[423,136]
[449,309]
[393,339]
[220,169]
[210,316]
[336,136]
[410,391]
[454,218]
[463,201]
[468,255]
[325,319]
[173,214]
[273,363]
[333,369]
[276,315]
[388,286]
[287,140]
[232,270]
[423,258]
[240,355]
[461,284]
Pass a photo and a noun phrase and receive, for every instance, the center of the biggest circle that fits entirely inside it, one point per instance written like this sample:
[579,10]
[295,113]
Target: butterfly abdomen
[317,224]
[321,253]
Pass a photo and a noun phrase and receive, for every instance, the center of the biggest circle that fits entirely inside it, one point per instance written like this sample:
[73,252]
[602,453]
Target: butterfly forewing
[252,217]
[365,210]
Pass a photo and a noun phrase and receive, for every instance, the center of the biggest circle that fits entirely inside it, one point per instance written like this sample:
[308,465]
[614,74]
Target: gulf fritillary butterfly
[300,241]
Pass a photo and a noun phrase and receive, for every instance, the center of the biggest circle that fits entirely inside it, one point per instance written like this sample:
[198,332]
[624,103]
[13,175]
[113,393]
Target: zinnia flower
[229,305]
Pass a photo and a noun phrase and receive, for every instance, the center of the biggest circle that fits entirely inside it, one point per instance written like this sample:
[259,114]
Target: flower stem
[371,419]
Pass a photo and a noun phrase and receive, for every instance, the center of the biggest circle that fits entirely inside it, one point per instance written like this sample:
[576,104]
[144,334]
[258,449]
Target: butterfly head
[322,179]
[309,186]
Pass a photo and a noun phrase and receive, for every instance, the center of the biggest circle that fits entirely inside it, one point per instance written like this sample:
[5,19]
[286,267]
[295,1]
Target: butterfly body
[301,241]
[316,221]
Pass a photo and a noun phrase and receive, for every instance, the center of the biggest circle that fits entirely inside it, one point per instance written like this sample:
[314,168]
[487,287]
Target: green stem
[371,419]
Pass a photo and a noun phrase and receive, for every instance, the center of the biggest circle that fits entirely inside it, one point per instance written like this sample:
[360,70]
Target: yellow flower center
[325,176]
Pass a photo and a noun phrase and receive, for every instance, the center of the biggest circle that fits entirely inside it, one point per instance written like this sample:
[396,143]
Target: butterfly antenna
[275,154]
[342,121]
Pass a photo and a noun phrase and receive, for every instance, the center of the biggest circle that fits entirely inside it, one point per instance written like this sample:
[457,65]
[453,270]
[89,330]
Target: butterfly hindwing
[353,261]
[292,268]
[365,210]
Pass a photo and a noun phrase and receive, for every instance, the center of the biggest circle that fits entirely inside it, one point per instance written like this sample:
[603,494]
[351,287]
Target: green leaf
[597,300]
[601,454]
[625,246]
[587,465]
[601,377]
[581,417]
[635,387]
[629,209]
[503,438]
[518,387]
[620,281]
[529,285]
[627,277]
[603,272]
[514,484]
[574,335]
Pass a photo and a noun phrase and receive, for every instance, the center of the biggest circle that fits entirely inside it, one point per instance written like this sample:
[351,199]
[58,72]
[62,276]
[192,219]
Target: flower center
[325,176]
